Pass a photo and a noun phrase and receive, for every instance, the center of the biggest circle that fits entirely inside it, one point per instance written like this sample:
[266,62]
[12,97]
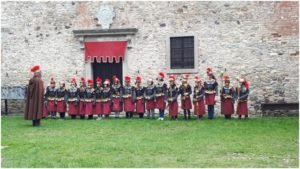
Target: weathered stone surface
[258,40]
[15,92]
[13,106]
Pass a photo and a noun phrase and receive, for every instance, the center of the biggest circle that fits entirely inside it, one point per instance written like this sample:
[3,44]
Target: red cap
[197,78]
[73,80]
[172,77]
[127,78]
[114,78]
[246,84]
[98,80]
[209,70]
[138,78]
[35,68]
[161,74]
[226,78]
[82,79]
[107,81]
[90,81]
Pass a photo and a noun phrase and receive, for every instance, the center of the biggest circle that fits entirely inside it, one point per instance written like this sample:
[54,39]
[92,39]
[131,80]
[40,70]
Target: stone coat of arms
[105,16]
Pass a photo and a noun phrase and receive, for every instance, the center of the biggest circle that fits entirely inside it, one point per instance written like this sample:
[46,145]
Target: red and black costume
[89,100]
[160,95]
[185,90]
[61,101]
[73,100]
[50,99]
[107,98]
[198,99]
[172,94]
[117,91]
[140,99]
[128,98]
[82,96]
[242,99]
[227,99]
[211,90]
[98,98]
[149,95]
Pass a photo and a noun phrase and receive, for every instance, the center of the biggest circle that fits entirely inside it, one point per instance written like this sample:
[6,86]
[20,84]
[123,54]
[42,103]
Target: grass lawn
[257,142]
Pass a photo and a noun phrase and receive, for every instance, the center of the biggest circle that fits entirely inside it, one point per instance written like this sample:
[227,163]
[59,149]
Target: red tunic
[199,107]
[128,105]
[242,108]
[106,107]
[61,106]
[89,108]
[186,103]
[173,108]
[98,108]
[160,102]
[227,107]
[210,99]
[222,107]
[150,104]
[140,106]
[73,108]
[51,107]
[81,108]
[45,112]
[117,104]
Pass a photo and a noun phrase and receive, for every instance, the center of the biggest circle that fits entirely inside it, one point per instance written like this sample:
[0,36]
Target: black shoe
[33,123]
[38,122]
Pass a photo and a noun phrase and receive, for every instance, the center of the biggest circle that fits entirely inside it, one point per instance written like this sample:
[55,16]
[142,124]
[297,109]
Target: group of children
[105,98]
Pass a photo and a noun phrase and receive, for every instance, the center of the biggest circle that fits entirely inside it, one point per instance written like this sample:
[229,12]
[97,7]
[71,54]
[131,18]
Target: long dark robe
[35,99]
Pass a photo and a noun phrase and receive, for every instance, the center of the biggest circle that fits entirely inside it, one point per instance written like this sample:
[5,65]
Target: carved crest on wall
[105,16]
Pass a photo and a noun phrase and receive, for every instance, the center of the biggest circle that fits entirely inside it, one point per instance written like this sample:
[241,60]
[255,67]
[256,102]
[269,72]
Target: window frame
[168,48]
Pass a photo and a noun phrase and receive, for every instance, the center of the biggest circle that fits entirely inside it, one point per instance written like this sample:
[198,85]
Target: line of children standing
[105,99]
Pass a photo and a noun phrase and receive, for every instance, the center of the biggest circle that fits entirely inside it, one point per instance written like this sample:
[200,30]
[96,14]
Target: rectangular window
[182,52]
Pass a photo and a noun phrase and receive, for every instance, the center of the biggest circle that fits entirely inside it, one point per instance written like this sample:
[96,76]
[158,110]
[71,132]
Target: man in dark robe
[35,97]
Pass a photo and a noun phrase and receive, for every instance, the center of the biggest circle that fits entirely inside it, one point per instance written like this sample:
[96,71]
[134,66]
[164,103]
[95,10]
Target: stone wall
[258,40]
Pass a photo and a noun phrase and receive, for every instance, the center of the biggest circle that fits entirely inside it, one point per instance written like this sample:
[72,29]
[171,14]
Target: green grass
[257,142]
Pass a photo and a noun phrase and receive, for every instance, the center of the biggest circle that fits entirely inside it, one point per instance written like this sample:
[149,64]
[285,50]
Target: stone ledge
[105,32]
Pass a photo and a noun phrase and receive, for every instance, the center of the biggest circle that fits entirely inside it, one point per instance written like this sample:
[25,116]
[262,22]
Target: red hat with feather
[35,68]
[138,79]
[197,78]
[73,80]
[209,71]
[107,81]
[226,78]
[98,80]
[90,81]
[114,78]
[82,79]
[172,78]
[161,74]
[245,82]
[127,78]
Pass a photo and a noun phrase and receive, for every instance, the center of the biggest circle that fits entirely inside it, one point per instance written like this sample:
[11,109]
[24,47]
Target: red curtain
[105,51]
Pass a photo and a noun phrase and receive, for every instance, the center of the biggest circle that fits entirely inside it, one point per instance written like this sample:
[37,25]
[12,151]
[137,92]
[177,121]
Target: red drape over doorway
[105,51]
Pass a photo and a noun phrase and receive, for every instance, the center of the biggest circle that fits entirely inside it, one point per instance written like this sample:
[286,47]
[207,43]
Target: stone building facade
[258,40]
